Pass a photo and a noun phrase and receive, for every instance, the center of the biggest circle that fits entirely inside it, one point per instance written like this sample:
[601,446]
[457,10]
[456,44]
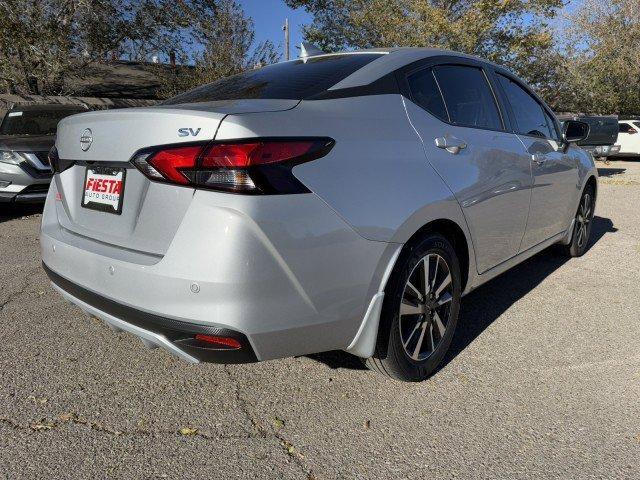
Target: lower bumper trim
[6,197]
[171,334]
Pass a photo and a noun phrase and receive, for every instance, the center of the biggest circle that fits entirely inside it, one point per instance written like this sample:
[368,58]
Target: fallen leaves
[38,400]
[619,182]
[38,427]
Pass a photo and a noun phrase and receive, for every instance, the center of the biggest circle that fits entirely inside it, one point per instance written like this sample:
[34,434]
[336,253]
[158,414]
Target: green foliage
[512,32]
[224,37]
[601,73]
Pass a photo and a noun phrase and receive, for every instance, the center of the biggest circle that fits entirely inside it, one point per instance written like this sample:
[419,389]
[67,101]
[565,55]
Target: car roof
[390,60]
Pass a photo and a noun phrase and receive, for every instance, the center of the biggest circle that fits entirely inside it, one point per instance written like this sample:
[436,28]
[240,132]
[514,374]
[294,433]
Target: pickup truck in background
[603,134]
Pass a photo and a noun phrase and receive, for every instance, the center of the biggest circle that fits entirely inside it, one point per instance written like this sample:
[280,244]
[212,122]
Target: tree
[222,44]
[42,41]
[601,71]
[514,33]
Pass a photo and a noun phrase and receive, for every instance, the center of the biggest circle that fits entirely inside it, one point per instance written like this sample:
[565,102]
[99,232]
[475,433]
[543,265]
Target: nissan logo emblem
[86,139]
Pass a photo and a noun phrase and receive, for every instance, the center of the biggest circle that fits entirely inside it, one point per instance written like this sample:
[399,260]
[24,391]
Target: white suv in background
[629,138]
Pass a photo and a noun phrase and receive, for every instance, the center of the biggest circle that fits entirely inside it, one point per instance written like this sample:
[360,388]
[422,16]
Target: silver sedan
[338,201]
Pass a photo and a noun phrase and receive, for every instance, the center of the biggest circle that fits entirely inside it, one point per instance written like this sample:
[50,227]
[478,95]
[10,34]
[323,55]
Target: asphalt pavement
[543,381]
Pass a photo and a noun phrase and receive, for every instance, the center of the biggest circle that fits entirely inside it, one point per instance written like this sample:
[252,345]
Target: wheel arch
[455,235]
[591,181]
[363,344]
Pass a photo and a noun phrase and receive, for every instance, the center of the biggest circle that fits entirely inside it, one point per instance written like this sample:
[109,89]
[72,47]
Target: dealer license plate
[104,189]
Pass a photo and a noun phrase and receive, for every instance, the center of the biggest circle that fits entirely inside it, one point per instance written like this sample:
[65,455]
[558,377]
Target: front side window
[551,122]
[530,117]
[468,97]
[425,92]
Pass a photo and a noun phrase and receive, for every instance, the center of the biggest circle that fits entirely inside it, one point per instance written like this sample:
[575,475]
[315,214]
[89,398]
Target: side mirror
[575,131]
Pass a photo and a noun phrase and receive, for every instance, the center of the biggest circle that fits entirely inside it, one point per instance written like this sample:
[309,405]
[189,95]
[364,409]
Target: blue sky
[268,17]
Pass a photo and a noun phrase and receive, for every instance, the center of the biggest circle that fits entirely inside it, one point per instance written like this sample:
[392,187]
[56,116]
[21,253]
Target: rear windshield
[34,122]
[294,80]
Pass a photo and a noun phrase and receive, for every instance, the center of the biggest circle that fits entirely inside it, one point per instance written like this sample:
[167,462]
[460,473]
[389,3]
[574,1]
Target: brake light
[257,167]
[170,162]
[252,154]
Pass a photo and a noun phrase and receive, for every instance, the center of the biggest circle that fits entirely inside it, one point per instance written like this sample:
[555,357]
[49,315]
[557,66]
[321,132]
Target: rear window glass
[293,80]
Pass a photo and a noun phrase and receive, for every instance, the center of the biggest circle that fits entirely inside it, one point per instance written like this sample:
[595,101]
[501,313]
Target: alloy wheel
[425,307]
[583,218]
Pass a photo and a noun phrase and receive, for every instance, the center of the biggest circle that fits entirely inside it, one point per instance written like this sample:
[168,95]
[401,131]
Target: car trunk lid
[105,142]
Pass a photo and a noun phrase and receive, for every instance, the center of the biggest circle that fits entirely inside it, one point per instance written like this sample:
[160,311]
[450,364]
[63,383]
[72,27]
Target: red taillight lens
[220,341]
[252,154]
[248,167]
[171,161]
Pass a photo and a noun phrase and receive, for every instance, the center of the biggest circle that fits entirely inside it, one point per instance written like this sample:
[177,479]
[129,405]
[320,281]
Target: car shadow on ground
[11,211]
[483,306]
[611,172]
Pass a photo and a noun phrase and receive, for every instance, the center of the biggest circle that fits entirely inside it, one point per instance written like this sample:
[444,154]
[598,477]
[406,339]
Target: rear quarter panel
[376,177]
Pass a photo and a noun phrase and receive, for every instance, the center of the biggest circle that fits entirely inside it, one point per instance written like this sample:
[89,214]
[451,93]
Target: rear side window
[625,128]
[425,92]
[468,97]
[529,115]
[295,80]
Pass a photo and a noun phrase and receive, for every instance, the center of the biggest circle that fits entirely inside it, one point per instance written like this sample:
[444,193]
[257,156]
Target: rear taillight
[255,166]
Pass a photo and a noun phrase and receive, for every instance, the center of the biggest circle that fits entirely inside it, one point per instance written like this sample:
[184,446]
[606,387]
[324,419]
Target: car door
[554,169]
[454,110]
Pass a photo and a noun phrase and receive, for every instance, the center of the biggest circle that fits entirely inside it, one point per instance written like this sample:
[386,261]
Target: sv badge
[188,132]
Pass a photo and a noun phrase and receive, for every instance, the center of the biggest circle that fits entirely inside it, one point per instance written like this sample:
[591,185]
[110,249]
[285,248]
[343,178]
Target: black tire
[581,230]
[394,344]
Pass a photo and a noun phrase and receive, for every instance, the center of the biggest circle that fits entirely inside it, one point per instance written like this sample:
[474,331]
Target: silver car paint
[556,184]
[490,178]
[237,248]
[296,274]
[19,179]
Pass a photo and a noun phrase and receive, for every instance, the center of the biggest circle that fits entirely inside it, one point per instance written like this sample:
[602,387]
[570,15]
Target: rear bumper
[175,336]
[284,273]
[601,151]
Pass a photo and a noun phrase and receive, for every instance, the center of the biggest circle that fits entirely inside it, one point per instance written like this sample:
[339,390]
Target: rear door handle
[451,144]
[539,158]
